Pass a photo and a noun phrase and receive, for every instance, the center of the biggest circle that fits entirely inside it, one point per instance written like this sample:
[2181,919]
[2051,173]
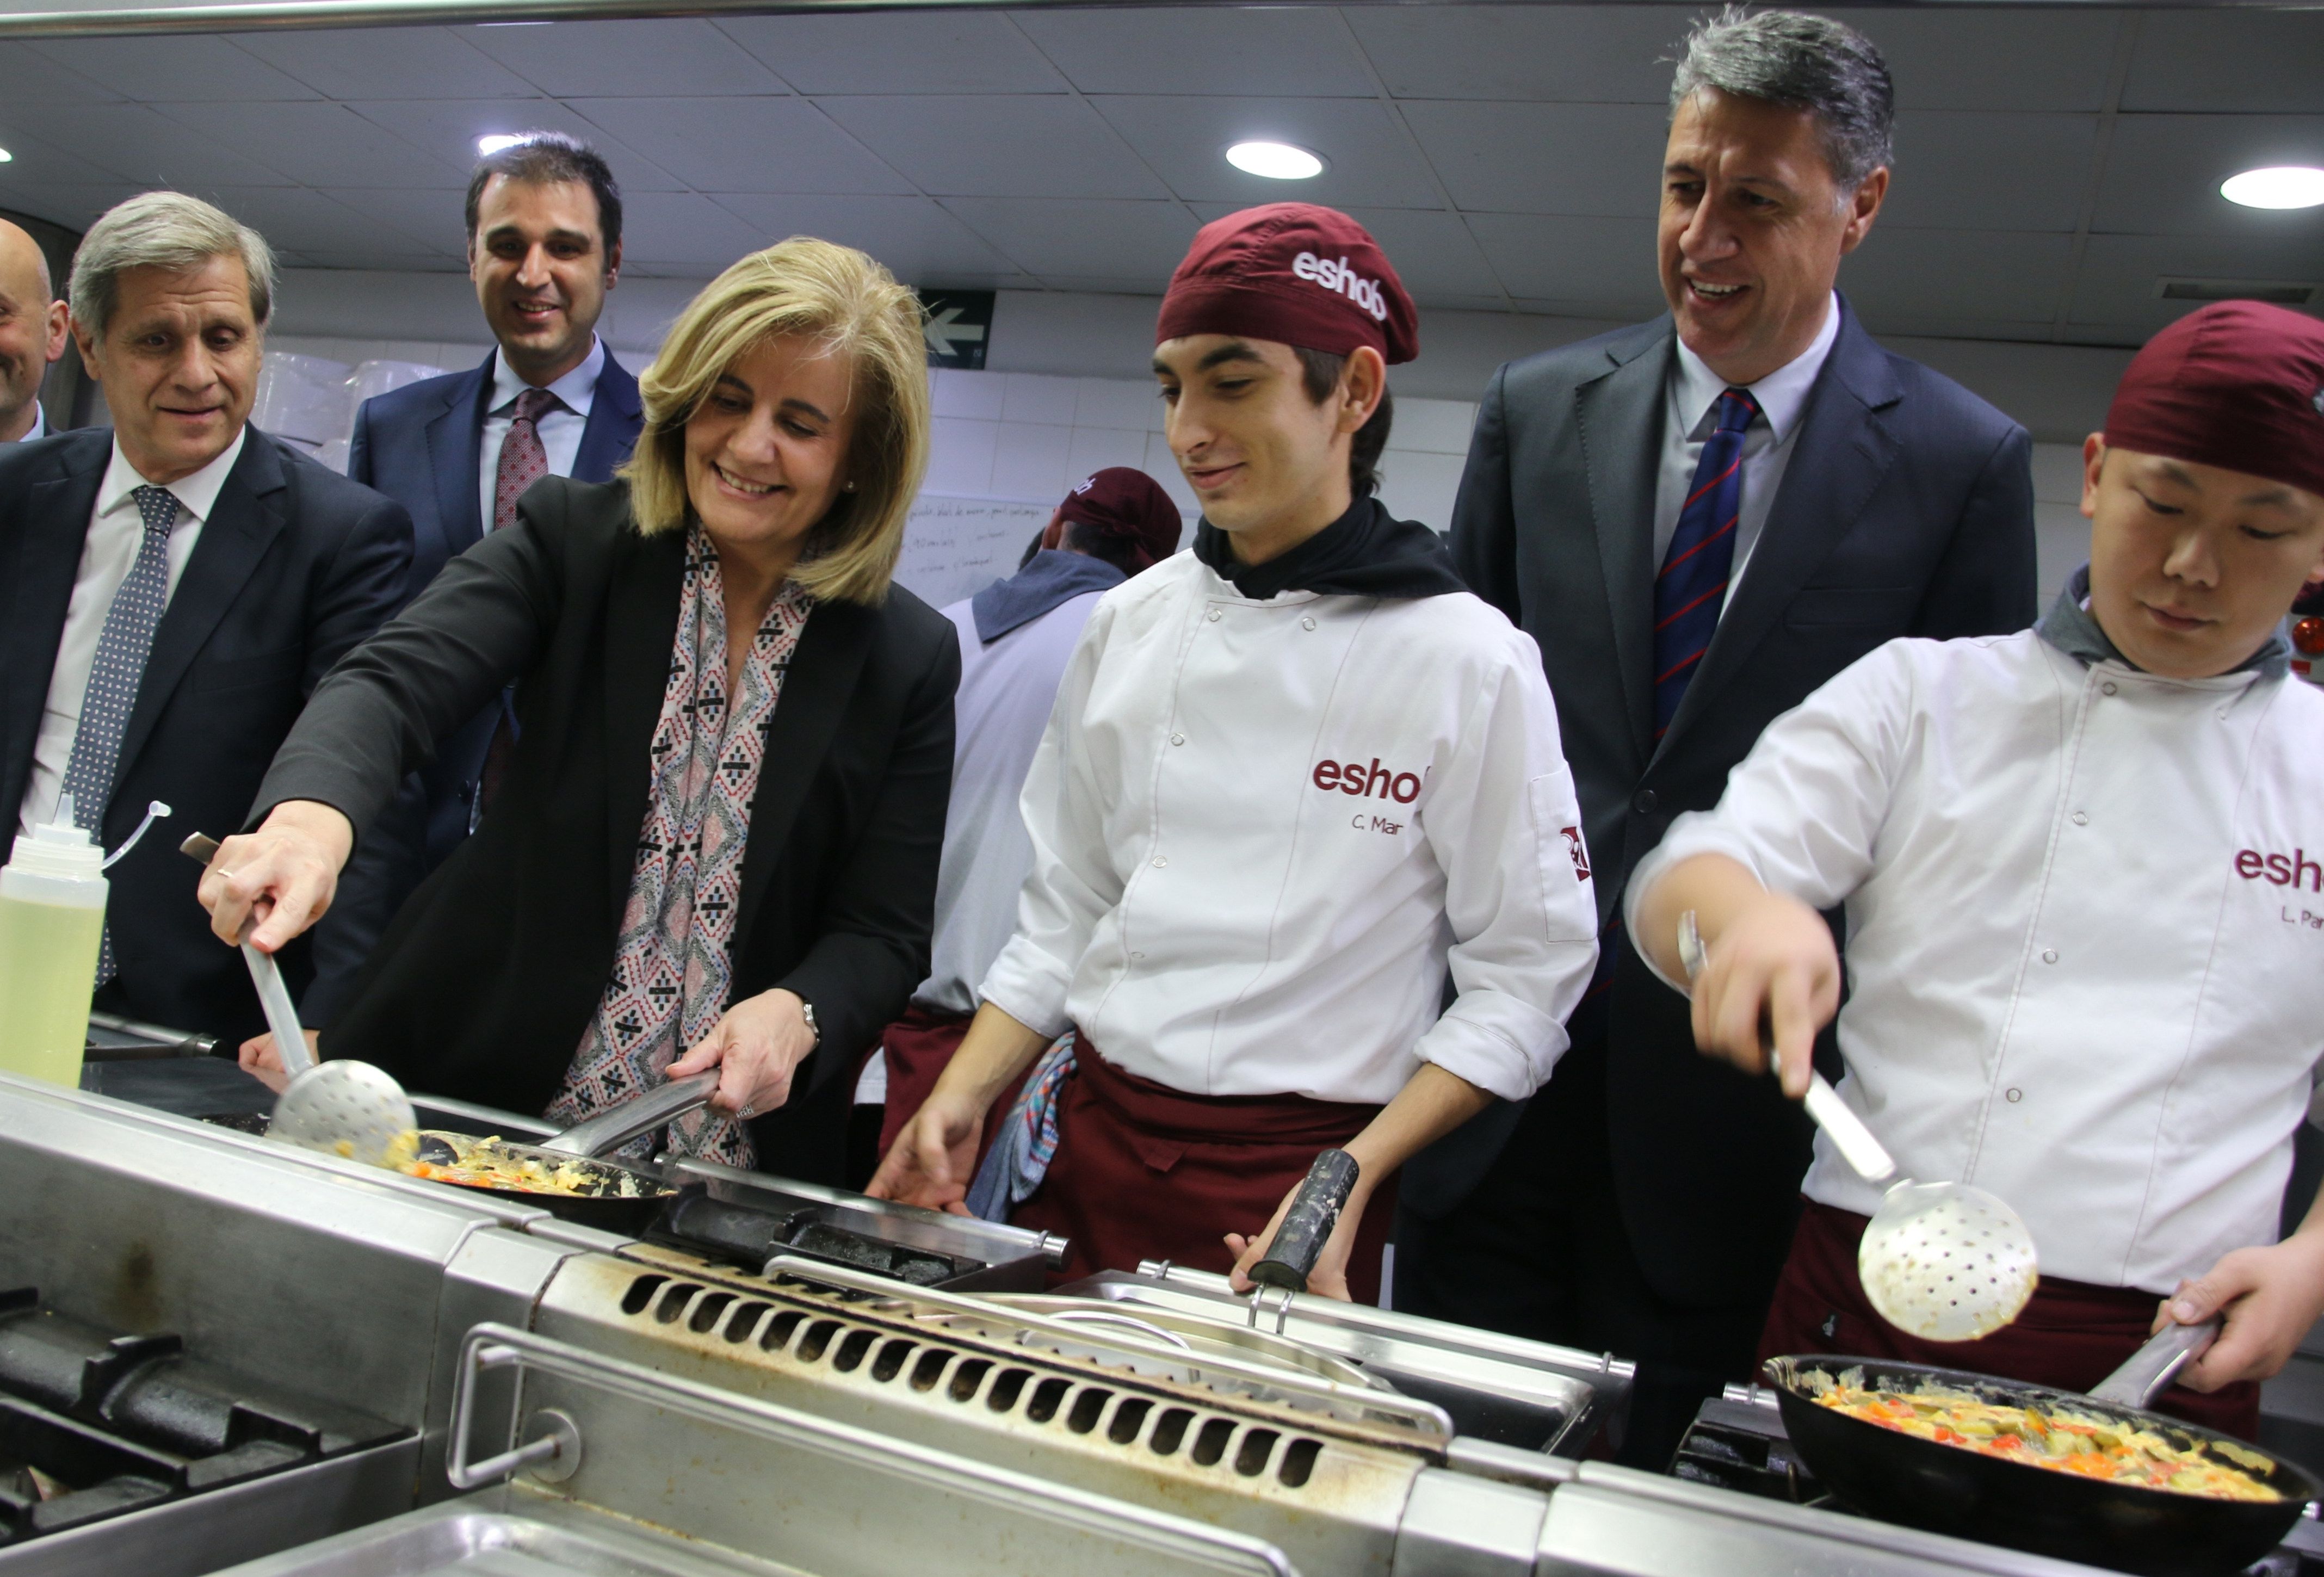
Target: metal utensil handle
[497,1346]
[281,1017]
[1307,1225]
[2143,1376]
[608,1131]
[1125,1322]
[1864,1153]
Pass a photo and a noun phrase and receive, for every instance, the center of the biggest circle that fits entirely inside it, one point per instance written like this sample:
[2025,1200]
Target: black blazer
[1906,509]
[295,565]
[484,985]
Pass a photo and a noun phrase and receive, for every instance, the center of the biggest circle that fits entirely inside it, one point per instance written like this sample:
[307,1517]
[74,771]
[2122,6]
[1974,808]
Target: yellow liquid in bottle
[48,972]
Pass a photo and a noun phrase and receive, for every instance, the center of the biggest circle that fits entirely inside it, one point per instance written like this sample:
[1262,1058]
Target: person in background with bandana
[2083,868]
[1015,637]
[1293,780]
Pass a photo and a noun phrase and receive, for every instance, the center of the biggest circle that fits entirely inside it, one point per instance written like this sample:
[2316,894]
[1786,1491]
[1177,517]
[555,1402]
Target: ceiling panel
[317,144]
[449,129]
[295,219]
[1590,266]
[2234,61]
[1371,160]
[1434,255]
[1594,158]
[663,231]
[1281,51]
[1991,171]
[1133,244]
[1610,54]
[373,62]
[2117,287]
[175,68]
[29,77]
[385,262]
[2163,173]
[35,160]
[1994,59]
[919,241]
[743,144]
[1955,276]
[135,144]
[953,145]
[431,217]
[924,51]
[605,59]
[75,205]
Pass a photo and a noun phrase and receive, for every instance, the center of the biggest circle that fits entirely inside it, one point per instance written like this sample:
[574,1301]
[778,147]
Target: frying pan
[1949,1490]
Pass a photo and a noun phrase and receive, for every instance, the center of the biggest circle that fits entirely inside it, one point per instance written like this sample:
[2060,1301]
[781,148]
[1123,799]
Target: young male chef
[1294,778]
[2085,911]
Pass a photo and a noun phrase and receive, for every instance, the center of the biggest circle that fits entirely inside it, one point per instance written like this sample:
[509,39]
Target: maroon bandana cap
[2237,384]
[1295,274]
[1127,506]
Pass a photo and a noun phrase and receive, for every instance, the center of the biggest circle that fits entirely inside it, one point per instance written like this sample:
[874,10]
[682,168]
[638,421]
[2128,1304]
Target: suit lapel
[249,515]
[456,441]
[816,693]
[640,624]
[615,415]
[1619,416]
[1844,447]
[44,560]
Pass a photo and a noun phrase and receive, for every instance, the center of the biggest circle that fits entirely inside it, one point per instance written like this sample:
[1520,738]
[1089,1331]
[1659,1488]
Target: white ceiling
[2053,164]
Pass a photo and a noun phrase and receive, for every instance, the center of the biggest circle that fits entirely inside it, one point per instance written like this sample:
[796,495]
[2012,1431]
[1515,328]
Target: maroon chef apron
[919,1046]
[2070,1336]
[1146,1172]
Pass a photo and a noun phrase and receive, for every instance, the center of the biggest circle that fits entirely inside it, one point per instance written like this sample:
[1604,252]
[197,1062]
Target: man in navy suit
[544,246]
[1700,520]
[171,591]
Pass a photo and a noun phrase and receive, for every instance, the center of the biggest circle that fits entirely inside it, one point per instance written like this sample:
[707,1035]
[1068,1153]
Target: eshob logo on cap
[1337,276]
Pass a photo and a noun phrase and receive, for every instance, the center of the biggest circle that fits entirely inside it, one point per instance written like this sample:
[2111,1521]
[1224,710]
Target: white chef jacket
[116,530]
[1263,831]
[2085,934]
[560,427]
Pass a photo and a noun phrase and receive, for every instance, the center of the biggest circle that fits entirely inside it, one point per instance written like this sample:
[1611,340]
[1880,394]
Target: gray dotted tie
[114,677]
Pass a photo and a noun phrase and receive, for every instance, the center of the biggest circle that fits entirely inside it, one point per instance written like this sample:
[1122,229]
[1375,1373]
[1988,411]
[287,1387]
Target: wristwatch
[806,1011]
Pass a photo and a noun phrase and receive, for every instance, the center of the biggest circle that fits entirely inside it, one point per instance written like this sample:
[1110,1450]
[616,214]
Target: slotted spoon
[341,1107]
[1942,1261]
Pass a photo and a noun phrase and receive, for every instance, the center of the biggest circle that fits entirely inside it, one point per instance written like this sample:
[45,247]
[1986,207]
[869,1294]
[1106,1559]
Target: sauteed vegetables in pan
[485,1163]
[2059,1438]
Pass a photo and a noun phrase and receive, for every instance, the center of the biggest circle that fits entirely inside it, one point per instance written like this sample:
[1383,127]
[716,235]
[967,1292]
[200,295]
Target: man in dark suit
[544,246]
[175,589]
[1699,519]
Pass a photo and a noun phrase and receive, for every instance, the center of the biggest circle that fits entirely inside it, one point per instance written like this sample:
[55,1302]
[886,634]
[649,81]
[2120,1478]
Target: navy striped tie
[1692,584]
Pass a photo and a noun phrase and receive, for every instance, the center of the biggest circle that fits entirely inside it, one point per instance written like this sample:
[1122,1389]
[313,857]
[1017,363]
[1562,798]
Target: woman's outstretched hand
[283,876]
[756,1044]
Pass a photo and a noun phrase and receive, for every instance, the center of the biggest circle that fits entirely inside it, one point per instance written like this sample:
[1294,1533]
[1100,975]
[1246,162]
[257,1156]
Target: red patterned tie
[523,462]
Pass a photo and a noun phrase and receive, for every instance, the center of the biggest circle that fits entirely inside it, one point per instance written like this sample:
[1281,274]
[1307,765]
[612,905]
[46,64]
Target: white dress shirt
[40,428]
[2085,934]
[561,425]
[1264,832]
[1691,413]
[116,531]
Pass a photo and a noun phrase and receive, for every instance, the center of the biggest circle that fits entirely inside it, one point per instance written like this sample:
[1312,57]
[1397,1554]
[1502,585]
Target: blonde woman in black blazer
[786,432]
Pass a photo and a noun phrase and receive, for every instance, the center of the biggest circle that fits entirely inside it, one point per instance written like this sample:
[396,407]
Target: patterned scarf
[672,971]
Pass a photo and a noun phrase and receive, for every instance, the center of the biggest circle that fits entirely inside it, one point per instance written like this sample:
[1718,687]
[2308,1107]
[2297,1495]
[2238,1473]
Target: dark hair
[1320,372]
[546,159]
[1802,62]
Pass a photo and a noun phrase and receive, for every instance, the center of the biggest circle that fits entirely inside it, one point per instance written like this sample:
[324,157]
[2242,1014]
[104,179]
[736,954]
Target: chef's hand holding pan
[1769,964]
[934,1158]
[2269,1298]
[283,876]
[756,1044]
[1329,1277]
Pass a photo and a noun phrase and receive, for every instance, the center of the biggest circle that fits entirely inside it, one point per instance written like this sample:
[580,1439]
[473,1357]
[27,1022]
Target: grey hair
[1806,62]
[169,231]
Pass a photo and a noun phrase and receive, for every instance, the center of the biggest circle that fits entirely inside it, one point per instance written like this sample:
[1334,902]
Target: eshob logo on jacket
[1368,782]
[1337,276]
[2296,869]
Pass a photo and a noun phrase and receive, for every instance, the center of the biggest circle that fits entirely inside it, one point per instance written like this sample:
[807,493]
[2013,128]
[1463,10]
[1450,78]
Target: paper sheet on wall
[956,546]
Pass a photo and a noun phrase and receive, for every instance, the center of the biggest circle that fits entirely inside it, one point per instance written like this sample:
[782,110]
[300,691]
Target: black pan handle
[1307,1225]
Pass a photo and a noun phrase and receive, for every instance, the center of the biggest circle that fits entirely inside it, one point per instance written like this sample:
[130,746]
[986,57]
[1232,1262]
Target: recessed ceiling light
[1276,161]
[6,156]
[488,146]
[2284,185]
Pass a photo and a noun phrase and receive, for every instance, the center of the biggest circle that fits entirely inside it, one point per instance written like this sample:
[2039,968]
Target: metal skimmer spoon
[341,1107]
[1942,1261]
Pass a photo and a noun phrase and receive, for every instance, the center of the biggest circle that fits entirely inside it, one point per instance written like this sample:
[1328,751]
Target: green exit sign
[958,329]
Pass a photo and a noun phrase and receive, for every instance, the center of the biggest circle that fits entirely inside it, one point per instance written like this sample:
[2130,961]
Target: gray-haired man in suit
[1699,519]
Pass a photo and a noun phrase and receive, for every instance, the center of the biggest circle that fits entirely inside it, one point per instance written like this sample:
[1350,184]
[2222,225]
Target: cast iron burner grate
[747,1237]
[94,1426]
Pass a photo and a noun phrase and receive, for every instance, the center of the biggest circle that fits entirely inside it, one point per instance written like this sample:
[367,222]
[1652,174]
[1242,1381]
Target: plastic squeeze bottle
[51,918]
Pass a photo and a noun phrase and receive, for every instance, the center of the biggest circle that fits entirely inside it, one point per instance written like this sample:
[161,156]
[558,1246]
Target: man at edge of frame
[1295,777]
